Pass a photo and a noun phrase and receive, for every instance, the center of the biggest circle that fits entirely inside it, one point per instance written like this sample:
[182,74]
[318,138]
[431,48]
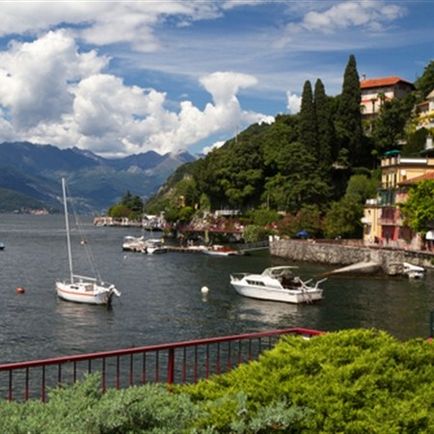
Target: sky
[125,77]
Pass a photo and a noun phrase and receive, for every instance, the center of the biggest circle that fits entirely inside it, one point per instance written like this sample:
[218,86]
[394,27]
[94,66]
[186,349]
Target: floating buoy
[20,290]
[204,290]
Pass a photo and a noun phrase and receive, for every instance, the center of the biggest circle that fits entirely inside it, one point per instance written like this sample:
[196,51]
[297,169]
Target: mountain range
[30,176]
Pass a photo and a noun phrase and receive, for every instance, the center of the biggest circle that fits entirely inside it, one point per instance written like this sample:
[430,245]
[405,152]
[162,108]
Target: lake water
[161,299]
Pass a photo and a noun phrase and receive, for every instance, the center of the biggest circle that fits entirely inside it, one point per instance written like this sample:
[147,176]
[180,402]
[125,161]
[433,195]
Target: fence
[180,362]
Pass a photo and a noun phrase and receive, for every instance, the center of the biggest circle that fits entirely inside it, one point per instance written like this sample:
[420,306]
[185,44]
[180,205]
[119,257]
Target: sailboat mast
[68,240]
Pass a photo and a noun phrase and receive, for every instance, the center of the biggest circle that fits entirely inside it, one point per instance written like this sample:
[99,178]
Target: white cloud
[35,77]
[293,102]
[365,15]
[50,92]
[103,23]
[207,149]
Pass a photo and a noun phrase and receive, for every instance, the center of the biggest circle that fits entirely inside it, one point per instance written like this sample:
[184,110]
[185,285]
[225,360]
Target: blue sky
[119,78]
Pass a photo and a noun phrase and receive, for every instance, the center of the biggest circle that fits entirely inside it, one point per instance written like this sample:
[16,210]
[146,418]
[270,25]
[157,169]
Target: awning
[429,235]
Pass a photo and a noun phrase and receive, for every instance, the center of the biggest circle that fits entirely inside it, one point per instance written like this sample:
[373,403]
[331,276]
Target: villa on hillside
[377,90]
[382,220]
[425,118]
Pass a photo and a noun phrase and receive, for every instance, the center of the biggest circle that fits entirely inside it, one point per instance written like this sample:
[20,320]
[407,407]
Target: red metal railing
[178,362]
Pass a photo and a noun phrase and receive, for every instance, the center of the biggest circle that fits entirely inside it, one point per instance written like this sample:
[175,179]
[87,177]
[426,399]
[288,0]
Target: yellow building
[382,220]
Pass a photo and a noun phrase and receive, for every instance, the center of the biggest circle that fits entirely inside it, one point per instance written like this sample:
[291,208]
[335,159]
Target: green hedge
[353,381]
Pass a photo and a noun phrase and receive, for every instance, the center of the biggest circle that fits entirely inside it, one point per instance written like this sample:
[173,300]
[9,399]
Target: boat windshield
[277,272]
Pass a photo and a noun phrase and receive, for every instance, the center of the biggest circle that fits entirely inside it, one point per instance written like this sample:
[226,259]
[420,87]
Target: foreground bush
[352,381]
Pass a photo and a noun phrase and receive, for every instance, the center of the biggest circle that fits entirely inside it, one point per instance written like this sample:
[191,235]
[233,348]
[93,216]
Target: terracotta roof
[383,81]
[426,177]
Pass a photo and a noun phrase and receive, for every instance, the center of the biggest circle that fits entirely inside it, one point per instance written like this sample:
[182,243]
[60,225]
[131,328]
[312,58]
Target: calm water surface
[161,298]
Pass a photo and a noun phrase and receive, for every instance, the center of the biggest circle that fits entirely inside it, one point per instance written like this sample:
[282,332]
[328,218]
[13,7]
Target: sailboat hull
[89,293]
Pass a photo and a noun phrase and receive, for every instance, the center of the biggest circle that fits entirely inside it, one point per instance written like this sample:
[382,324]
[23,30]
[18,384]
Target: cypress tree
[308,134]
[324,122]
[349,116]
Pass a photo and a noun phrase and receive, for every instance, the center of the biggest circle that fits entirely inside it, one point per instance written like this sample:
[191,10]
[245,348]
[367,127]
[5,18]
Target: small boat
[153,246]
[82,289]
[2,246]
[413,271]
[133,244]
[277,284]
[218,250]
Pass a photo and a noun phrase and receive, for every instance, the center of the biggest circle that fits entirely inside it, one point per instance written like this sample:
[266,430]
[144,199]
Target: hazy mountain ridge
[33,172]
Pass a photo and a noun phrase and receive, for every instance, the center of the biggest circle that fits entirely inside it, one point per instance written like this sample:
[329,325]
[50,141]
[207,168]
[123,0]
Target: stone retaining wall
[335,254]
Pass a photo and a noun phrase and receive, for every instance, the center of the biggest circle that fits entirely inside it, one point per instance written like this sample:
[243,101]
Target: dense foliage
[301,160]
[351,381]
[130,206]
[418,210]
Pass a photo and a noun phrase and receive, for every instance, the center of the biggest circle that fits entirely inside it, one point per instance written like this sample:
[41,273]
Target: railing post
[171,366]
[431,325]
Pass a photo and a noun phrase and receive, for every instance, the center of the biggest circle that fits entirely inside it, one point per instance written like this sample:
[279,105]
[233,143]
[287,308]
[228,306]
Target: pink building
[377,90]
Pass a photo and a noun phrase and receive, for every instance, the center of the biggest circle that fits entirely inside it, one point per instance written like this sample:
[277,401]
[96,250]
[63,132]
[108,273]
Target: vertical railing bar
[207,362]
[144,368]
[89,367]
[229,363]
[184,365]
[240,358]
[171,366]
[103,376]
[26,392]
[59,375]
[43,384]
[10,393]
[131,376]
[218,359]
[250,349]
[157,366]
[195,365]
[74,372]
[118,382]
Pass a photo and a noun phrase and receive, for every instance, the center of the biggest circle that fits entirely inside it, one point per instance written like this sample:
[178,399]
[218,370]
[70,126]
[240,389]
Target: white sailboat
[82,289]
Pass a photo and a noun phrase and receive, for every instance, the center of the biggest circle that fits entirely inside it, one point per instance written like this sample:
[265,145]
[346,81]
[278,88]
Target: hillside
[30,174]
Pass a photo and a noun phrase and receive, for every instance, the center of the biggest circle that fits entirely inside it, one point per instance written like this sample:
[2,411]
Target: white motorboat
[218,250]
[133,244]
[277,284]
[413,271]
[82,289]
[154,246]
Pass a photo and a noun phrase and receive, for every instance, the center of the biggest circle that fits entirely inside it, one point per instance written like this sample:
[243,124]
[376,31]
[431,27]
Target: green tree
[360,187]
[325,128]
[344,219]
[418,210]
[349,117]
[119,211]
[425,83]
[389,127]
[308,134]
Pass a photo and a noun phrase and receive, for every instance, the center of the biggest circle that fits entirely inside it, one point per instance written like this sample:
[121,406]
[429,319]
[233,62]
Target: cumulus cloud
[103,23]
[35,77]
[368,15]
[51,92]
[293,102]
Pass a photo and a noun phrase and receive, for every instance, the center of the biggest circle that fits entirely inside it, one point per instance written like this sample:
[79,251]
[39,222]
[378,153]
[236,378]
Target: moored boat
[218,250]
[82,289]
[277,284]
[413,271]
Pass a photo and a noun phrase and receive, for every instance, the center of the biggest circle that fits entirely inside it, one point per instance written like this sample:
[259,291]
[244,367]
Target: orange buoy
[20,290]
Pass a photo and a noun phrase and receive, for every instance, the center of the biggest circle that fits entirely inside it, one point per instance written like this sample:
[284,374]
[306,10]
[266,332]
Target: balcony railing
[179,362]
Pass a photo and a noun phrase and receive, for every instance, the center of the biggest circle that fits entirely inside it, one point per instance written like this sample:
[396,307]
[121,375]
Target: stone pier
[339,254]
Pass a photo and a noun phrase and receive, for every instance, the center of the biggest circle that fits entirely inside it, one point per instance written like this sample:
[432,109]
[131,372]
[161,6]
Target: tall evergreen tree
[349,116]
[324,125]
[308,134]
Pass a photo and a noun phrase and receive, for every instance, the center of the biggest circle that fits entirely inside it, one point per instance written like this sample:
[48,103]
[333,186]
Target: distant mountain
[32,172]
